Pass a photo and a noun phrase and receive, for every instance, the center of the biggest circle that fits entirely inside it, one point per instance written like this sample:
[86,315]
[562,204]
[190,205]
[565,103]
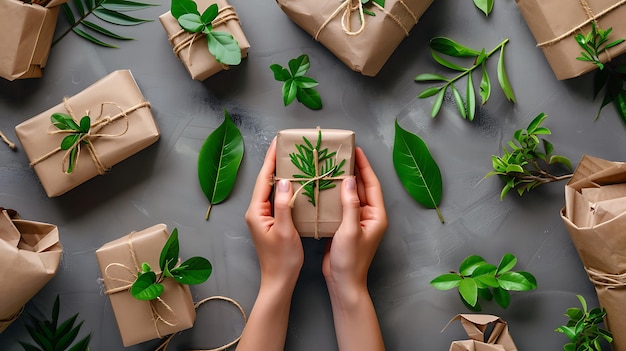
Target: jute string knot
[349,7]
[87,139]
[610,281]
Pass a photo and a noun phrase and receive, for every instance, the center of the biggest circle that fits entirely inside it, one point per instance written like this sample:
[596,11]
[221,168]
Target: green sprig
[582,328]
[364,3]
[594,44]
[296,84]
[76,132]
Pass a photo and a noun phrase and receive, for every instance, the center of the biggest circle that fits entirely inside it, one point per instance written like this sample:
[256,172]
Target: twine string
[611,281]
[7,141]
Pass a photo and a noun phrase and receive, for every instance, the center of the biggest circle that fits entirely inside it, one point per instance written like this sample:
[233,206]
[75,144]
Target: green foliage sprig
[484,5]
[304,160]
[479,279]
[222,45]
[75,132]
[49,335]
[467,105]
[110,11]
[525,166]
[297,85]
[595,43]
[380,3]
[195,270]
[582,328]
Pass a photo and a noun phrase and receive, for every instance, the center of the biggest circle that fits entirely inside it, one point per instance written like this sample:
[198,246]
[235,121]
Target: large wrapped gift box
[477,327]
[26,32]
[554,23]
[138,321]
[193,51]
[323,218]
[122,125]
[595,217]
[30,253]
[363,44]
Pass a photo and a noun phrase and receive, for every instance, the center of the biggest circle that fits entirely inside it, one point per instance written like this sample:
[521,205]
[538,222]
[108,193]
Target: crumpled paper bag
[30,253]
[475,325]
[595,217]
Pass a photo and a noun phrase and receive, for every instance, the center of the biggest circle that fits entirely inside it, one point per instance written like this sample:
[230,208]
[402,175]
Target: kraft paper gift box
[30,253]
[122,125]
[26,32]
[323,219]
[193,51]
[595,217]
[554,23]
[475,325]
[363,45]
[138,321]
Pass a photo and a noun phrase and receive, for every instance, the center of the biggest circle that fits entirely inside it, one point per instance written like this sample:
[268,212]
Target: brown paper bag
[30,253]
[137,320]
[324,219]
[195,55]
[595,217]
[130,129]
[554,23]
[364,46]
[475,326]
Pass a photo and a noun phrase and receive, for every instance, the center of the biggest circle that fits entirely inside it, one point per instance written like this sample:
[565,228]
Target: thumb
[282,210]
[350,202]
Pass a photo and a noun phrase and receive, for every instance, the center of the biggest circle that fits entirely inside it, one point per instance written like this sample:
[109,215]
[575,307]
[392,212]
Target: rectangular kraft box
[554,23]
[200,63]
[116,95]
[329,211]
[135,318]
[366,50]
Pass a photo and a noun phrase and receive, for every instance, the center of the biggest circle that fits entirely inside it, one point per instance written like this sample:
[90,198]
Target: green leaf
[430,92]
[290,89]
[79,7]
[170,251]
[181,7]
[85,124]
[484,5]
[469,291]
[437,104]
[417,170]
[224,47]
[92,38]
[470,264]
[68,13]
[516,281]
[191,22]
[219,160]
[446,281]
[502,297]
[64,121]
[536,122]
[299,66]
[305,82]
[504,79]
[195,270]
[125,5]
[471,99]
[66,340]
[445,62]
[69,141]
[146,288]
[485,85]
[280,74]
[449,47]
[560,159]
[507,263]
[104,31]
[430,77]
[458,100]
[82,345]
[209,14]
[117,17]
[310,98]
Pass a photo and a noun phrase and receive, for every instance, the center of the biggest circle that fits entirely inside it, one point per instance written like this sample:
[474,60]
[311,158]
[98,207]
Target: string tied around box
[608,280]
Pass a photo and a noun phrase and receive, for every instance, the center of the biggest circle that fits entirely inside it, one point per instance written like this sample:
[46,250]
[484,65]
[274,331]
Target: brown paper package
[119,88]
[135,318]
[200,63]
[28,250]
[475,325]
[595,217]
[329,202]
[367,51]
[550,20]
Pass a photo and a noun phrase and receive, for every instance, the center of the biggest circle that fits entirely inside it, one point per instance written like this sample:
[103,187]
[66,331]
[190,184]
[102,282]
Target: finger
[351,205]
[264,181]
[373,191]
[282,210]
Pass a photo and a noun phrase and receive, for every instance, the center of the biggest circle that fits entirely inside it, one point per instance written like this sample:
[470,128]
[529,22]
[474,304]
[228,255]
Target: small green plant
[525,166]
[582,328]
[296,84]
[305,161]
[74,139]
[478,279]
[595,43]
[49,335]
[467,105]
[195,270]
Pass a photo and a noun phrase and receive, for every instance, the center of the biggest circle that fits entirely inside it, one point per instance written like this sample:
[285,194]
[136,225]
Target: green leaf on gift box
[195,270]
[219,160]
[146,287]
[296,85]
[484,5]
[75,132]
[181,7]
[583,328]
[224,47]
[417,170]
[169,254]
[365,3]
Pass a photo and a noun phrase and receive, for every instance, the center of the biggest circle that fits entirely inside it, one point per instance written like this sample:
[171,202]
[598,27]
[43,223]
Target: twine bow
[610,281]
[100,122]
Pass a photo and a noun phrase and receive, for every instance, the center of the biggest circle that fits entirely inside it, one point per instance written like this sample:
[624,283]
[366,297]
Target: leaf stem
[208,212]
[439,214]
[476,65]
[79,21]
[7,141]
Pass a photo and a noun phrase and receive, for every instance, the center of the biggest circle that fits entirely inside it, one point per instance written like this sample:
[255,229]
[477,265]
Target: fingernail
[350,183]
[283,186]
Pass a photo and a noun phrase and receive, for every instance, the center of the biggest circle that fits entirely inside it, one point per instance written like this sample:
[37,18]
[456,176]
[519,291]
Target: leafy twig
[484,5]
[595,43]
[297,85]
[582,328]
[74,139]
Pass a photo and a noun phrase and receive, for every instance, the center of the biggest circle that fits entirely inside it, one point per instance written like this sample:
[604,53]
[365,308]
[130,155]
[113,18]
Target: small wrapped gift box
[476,326]
[138,321]
[192,50]
[26,35]
[30,253]
[121,125]
[554,23]
[362,42]
[317,210]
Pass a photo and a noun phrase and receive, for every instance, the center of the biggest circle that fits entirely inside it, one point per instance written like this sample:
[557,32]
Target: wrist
[347,295]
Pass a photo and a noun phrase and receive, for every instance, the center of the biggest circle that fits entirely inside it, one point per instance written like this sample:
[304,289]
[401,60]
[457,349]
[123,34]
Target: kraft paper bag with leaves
[317,210]
[193,51]
[595,217]
[476,325]
[138,321]
[28,250]
[363,42]
[554,23]
[121,125]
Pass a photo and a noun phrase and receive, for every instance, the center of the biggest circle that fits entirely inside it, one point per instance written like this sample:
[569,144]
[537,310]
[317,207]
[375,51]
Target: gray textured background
[159,184]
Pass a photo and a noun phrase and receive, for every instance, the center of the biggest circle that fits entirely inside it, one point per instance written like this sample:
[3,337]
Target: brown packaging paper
[132,129]
[362,46]
[326,216]
[26,35]
[554,23]
[28,250]
[195,55]
[475,325]
[595,217]
[139,321]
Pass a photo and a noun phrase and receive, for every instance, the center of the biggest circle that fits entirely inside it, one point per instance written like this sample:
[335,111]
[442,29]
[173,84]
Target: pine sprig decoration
[49,335]
[582,328]
[305,161]
[594,44]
